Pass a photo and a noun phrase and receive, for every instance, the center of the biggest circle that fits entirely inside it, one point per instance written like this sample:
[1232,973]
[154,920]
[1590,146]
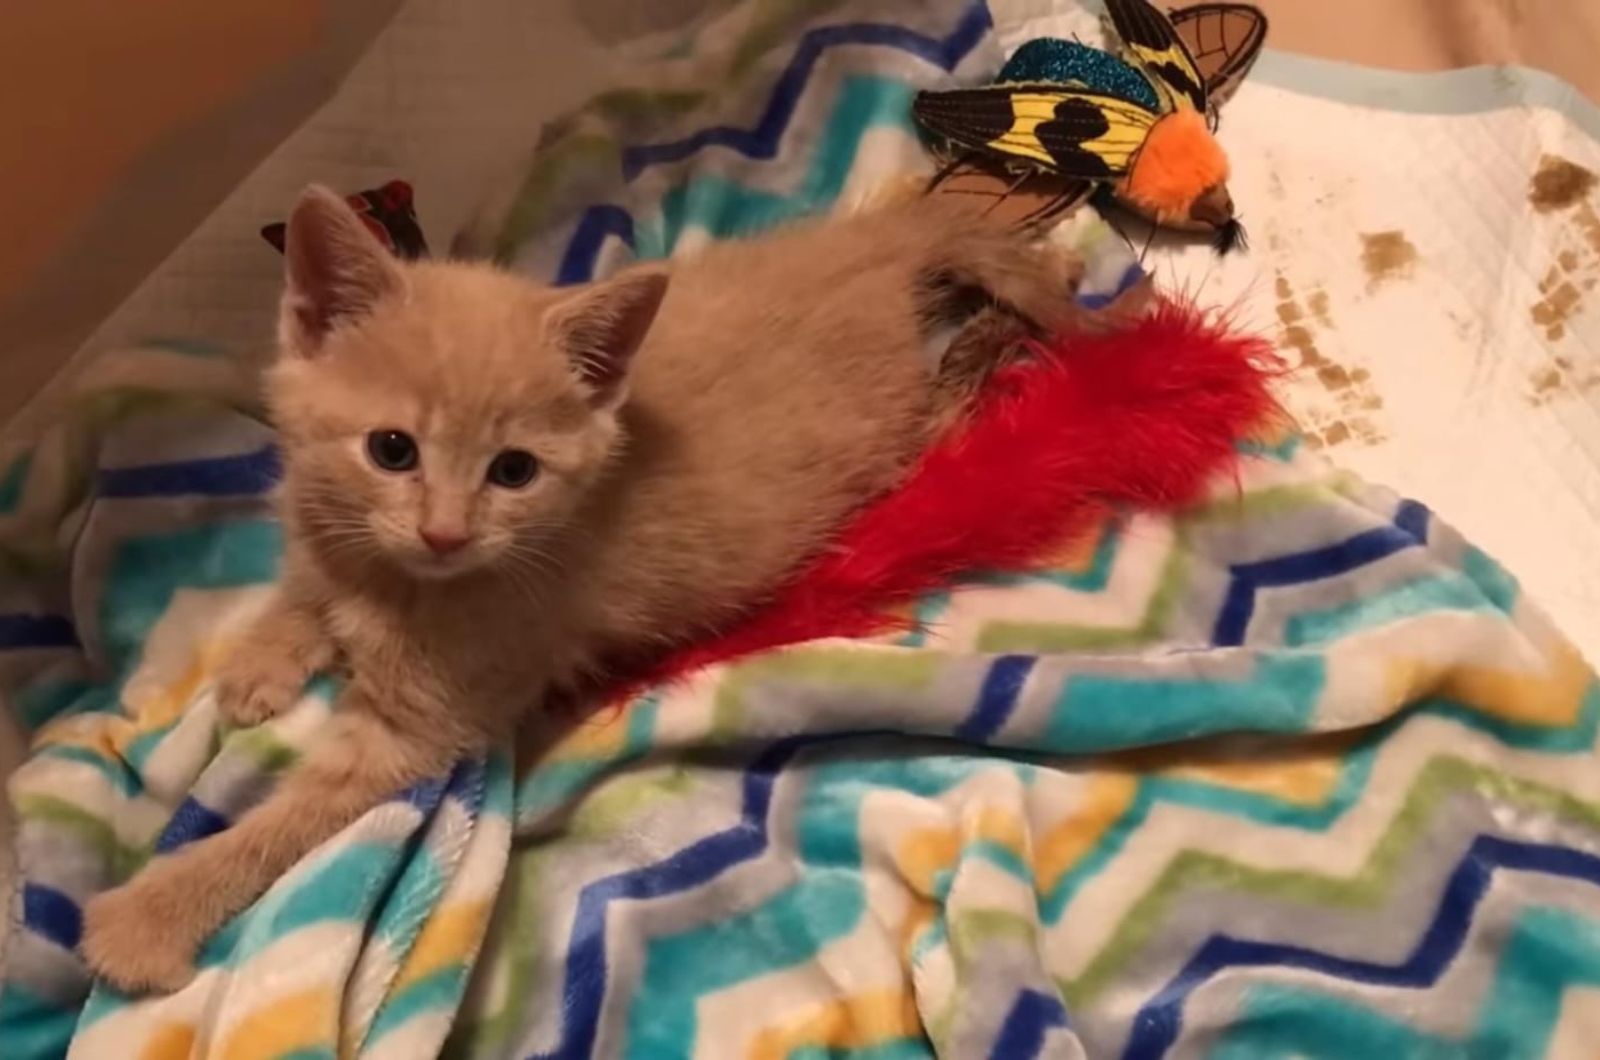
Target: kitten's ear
[602,327]
[334,270]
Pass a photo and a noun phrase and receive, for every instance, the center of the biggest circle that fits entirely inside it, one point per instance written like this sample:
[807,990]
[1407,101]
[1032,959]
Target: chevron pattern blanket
[1296,771]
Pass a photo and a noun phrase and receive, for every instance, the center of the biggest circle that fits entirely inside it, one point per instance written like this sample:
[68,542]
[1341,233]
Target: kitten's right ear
[602,327]
[334,270]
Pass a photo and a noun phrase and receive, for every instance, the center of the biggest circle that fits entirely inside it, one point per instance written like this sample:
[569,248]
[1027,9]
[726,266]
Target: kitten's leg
[265,672]
[989,340]
[1037,281]
[144,934]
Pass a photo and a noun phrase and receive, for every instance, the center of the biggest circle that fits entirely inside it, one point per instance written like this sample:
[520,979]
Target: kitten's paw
[134,943]
[251,689]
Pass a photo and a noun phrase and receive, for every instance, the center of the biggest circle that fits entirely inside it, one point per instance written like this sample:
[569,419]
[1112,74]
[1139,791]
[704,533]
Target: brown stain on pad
[1558,183]
[1348,391]
[1386,256]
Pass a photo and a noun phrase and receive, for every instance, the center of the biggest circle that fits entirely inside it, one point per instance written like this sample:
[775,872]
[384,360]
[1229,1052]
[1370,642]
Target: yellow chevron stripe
[857,1022]
[1072,837]
[926,852]
[169,1041]
[1075,553]
[307,1020]
[1553,698]
[599,737]
[449,937]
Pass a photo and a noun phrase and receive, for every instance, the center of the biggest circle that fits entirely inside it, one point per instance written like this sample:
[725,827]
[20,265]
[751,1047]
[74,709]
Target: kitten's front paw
[251,689]
[135,943]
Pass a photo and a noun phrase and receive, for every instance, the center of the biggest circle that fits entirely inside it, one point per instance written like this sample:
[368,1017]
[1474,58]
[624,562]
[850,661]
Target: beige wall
[108,106]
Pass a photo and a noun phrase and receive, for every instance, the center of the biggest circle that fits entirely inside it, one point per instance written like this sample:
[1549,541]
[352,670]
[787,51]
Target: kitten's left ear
[335,271]
[602,327]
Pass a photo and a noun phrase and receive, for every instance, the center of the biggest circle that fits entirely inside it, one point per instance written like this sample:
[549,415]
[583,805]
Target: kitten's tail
[182,898]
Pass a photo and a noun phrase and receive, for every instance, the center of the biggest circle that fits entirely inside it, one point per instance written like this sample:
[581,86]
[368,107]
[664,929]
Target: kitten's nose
[443,542]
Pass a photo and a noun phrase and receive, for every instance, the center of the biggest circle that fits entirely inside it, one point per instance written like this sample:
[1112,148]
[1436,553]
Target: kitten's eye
[513,468]
[392,450]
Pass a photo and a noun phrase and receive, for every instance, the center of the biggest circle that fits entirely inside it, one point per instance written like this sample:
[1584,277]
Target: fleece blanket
[1297,770]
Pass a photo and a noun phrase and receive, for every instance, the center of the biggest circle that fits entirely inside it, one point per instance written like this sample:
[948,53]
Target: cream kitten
[491,485]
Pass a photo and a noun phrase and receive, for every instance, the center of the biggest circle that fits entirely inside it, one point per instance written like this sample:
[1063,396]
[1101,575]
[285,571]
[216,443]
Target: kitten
[490,485]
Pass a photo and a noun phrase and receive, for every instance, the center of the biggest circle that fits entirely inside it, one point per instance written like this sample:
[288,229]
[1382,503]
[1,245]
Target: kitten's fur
[701,430]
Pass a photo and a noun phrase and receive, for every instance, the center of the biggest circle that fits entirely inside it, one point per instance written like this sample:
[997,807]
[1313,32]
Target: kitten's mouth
[434,567]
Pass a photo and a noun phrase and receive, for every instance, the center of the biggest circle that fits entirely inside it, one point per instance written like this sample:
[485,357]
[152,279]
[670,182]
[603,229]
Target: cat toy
[1064,123]
[388,212]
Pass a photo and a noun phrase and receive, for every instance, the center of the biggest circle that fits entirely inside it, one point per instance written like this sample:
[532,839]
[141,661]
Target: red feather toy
[1145,416]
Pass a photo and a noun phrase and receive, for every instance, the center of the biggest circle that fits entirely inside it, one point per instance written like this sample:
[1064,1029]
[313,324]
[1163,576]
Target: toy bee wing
[1224,40]
[1159,51]
[1069,131]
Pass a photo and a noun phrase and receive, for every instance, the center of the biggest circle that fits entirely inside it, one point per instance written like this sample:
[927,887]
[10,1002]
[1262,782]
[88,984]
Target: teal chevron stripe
[43,702]
[1092,579]
[828,830]
[794,925]
[342,889]
[146,572]
[552,783]
[34,1027]
[899,1049]
[434,992]
[1282,453]
[12,481]
[120,777]
[1347,791]
[419,885]
[1104,712]
[1450,592]
[1492,580]
[1549,951]
[786,930]
[726,208]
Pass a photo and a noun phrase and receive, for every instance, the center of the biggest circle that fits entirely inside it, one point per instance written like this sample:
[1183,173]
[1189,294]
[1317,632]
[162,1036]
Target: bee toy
[1064,122]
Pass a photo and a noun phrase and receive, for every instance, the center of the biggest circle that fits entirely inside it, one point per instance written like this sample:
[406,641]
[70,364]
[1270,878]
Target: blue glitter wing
[1068,62]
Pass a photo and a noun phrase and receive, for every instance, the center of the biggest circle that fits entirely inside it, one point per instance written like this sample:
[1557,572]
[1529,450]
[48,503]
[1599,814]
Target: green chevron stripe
[899,671]
[536,201]
[1001,636]
[1442,777]
[93,831]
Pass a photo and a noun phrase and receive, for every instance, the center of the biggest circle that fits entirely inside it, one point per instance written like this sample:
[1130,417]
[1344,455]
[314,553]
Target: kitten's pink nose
[443,542]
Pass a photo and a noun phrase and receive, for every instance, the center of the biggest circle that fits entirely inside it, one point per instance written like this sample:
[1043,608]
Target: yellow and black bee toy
[1075,121]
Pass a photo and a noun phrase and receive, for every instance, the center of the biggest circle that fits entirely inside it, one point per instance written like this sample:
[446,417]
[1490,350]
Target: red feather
[1145,416]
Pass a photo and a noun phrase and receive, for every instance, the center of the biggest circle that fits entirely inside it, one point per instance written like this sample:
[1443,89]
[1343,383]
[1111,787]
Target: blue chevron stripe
[801,919]
[761,142]
[36,631]
[1347,790]
[1033,1016]
[585,971]
[727,209]
[583,249]
[824,843]
[1409,529]
[254,472]
[52,915]
[1549,950]
[997,698]
[1158,1023]
[750,205]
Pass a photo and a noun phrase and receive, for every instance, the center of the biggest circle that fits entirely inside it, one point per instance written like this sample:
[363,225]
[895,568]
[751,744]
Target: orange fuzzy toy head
[1180,174]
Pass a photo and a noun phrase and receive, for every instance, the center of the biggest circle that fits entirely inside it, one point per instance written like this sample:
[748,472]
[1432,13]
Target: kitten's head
[440,417]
